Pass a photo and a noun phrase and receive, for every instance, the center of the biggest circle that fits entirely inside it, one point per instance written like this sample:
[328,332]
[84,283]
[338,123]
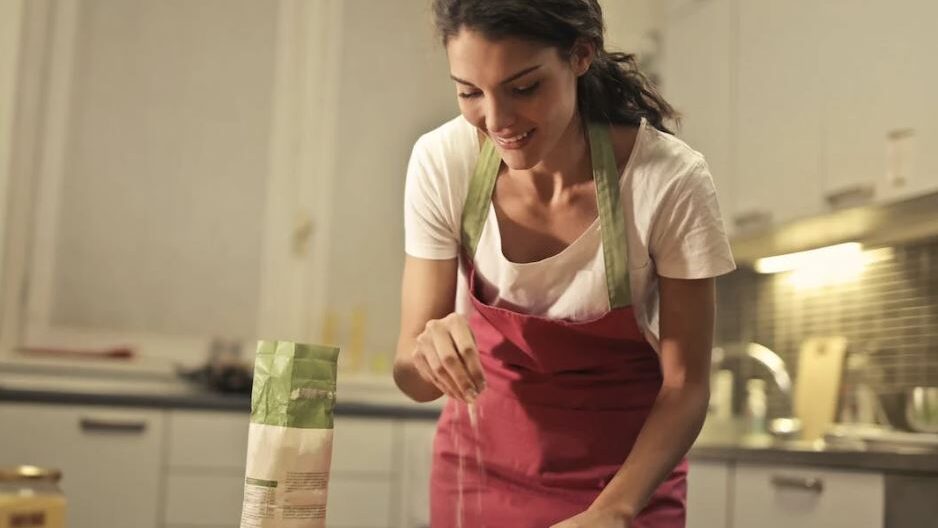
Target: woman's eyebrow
[506,81]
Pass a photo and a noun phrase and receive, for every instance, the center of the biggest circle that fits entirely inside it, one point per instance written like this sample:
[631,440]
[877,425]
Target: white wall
[394,85]
[630,22]
[162,192]
[10,23]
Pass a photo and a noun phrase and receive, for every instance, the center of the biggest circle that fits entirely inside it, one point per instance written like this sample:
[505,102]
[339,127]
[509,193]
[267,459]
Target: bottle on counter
[30,497]
[756,408]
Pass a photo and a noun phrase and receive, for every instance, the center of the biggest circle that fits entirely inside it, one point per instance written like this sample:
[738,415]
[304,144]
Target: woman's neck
[566,167]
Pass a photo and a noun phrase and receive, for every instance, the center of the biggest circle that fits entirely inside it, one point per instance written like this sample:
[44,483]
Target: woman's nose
[498,115]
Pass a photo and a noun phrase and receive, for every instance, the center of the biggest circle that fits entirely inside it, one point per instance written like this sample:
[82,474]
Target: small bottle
[756,407]
[30,496]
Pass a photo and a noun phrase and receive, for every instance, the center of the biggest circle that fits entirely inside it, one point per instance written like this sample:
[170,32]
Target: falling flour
[474,415]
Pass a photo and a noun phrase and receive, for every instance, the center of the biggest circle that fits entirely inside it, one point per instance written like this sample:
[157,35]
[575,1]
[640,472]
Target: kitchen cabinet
[206,459]
[185,468]
[771,496]
[829,103]
[709,494]
[362,493]
[111,458]
[698,77]
[418,437]
[778,113]
[205,468]
[879,84]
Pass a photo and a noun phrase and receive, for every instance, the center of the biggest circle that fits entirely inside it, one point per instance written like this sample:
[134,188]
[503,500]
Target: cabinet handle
[99,425]
[812,484]
[850,196]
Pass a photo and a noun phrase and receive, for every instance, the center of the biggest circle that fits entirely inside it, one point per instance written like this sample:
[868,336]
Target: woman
[561,249]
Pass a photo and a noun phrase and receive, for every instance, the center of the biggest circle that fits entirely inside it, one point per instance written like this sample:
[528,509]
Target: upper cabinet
[778,111]
[879,82]
[806,105]
[698,81]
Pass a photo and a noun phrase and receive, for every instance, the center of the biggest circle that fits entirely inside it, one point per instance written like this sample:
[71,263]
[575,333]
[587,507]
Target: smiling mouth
[514,142]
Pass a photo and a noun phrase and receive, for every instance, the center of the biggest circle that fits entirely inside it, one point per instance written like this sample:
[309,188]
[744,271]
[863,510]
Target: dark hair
[613,90]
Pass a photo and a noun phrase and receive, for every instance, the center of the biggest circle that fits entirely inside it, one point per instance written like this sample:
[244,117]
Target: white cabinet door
[784,496]
[698,81]
[204,484]
[362,490]
[879,82]
[709,489]
[203,499]
[778,118]
[110,458]
[415,475]
[215,440]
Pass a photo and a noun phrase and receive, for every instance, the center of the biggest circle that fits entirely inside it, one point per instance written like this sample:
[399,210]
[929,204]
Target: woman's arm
[686,315]
[436,352]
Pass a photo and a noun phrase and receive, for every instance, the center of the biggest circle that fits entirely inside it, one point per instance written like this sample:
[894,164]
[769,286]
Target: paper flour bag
[290,438]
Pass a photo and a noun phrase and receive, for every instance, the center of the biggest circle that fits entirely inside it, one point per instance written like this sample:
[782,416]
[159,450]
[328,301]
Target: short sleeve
[688,240]
[429,229]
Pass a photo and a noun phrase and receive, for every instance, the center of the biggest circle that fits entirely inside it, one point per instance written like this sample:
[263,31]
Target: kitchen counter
[908,461]
[381,400]
[353,397]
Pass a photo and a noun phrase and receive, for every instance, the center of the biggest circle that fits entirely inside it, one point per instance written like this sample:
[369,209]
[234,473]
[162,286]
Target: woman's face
[520,93]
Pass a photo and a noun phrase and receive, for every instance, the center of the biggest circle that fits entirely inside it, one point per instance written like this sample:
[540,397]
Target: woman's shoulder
[454,141]
[441,167]
[661,160]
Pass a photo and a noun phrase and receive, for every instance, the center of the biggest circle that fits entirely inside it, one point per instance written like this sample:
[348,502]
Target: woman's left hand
[598,518]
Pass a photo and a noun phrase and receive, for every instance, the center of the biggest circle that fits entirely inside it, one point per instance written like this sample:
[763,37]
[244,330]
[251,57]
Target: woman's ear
[581,56]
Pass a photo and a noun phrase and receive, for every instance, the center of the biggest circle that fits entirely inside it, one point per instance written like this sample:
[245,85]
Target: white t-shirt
[673,224]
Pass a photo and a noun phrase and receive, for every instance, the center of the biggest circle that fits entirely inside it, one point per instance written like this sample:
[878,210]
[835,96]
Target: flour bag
[290,438]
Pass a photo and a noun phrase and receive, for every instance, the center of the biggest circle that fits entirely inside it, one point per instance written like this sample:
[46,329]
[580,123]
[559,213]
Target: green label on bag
[294,385]
[262,483]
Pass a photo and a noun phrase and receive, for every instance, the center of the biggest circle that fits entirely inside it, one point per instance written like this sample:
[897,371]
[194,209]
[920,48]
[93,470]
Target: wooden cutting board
[817,385]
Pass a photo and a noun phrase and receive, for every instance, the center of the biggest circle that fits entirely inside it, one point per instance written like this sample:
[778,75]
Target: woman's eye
[527,90]
[469,95]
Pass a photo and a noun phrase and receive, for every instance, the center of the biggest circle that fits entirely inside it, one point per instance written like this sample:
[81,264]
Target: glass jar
[30,498]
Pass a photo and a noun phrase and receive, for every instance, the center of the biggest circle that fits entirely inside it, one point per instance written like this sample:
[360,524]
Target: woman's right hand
[446,356]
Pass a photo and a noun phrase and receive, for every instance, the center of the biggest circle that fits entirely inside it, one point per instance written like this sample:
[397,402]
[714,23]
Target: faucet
[762,355]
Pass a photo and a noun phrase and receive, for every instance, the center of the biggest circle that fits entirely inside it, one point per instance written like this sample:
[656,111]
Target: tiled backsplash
[890,312]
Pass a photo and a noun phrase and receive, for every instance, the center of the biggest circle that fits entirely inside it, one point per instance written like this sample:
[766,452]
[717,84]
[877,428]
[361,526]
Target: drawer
[204,500]
[362,445]
[216,440]
[783,496]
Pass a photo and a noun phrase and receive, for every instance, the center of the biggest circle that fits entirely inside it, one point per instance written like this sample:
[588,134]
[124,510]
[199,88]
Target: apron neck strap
[615,246]
[612,221]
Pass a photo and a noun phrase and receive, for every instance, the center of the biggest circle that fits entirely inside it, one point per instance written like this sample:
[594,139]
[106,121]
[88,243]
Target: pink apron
[564,401]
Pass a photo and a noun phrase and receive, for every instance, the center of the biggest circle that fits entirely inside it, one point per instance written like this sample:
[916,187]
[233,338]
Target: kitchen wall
[10,13]
[889,312]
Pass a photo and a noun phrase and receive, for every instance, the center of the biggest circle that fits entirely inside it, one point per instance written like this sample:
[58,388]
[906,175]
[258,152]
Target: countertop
[909,461]
[380,399]
[24,384]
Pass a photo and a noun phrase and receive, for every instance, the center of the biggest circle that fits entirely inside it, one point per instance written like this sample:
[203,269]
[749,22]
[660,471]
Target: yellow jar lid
[20,473]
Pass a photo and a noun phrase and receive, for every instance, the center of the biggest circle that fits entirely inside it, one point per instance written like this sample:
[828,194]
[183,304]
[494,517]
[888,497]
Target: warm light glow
[825,266]
[830,256]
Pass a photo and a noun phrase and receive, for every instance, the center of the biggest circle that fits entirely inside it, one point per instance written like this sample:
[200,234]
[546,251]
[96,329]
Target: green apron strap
[615,245]
[476,208]
[612,221]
